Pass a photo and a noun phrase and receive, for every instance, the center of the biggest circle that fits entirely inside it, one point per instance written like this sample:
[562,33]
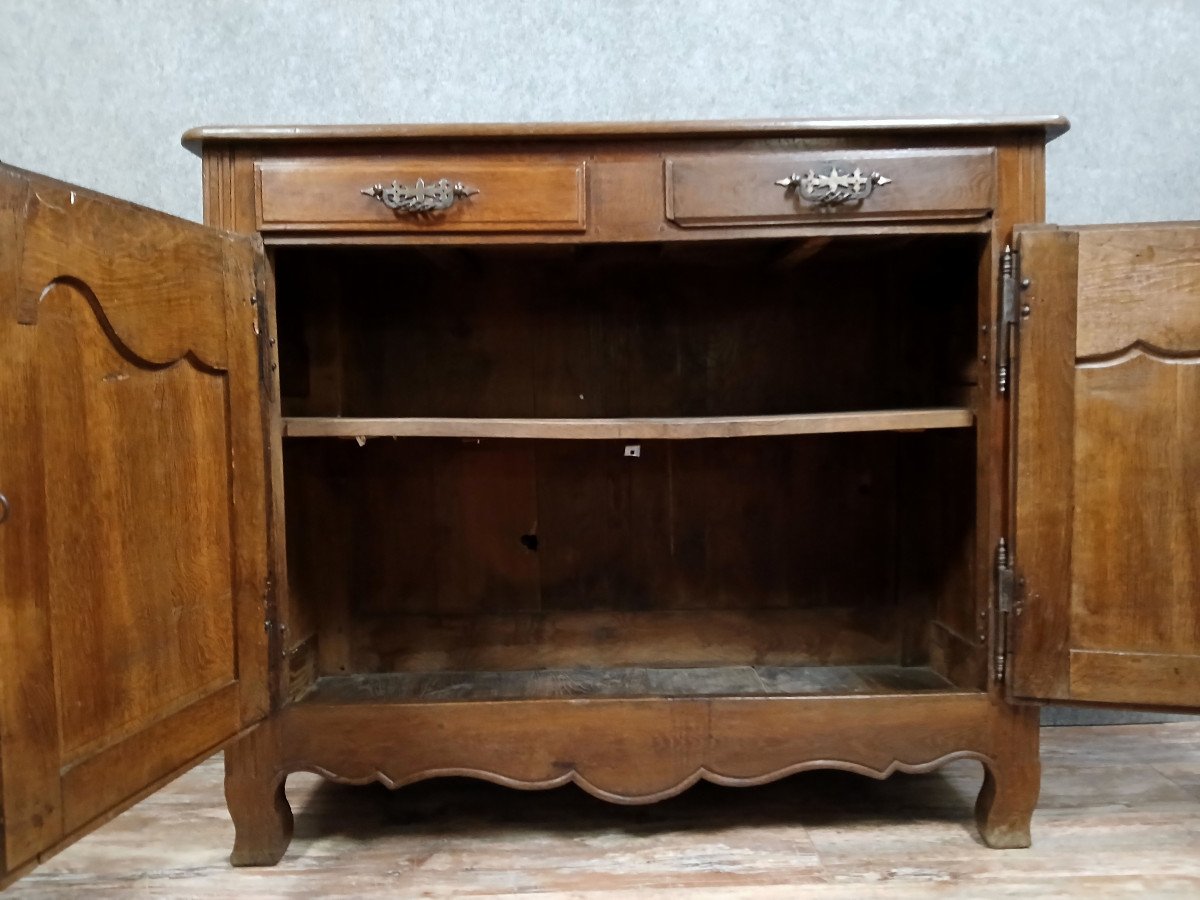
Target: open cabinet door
[133,562]
[1107,482]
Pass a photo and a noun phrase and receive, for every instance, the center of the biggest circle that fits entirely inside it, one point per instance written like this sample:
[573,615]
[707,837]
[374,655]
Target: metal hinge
[1011,286]
[1007,317]
[1005,591]
[260,324]
[266,343]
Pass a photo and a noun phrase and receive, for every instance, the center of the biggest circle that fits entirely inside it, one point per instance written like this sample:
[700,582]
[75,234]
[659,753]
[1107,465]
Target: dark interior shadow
[458,807]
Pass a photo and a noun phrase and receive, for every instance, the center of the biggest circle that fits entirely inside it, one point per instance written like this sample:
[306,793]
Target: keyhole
[529,542]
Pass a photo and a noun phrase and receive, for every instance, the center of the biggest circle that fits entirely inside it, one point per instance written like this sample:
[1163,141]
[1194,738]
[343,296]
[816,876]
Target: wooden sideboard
[622,455]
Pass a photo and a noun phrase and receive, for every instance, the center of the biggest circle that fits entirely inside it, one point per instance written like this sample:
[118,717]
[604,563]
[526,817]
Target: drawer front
[780,188]
[419,195]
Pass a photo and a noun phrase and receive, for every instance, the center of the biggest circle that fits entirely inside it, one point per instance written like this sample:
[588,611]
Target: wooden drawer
[499,196]
[744,188]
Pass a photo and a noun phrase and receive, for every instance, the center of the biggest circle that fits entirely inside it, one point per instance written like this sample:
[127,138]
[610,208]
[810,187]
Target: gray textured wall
[98,91]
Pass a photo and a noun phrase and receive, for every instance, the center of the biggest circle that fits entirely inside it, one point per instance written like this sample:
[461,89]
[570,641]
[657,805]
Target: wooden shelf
[634,428]
[628,682]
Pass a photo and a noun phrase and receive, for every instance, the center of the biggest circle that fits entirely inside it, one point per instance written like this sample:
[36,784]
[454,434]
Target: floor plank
[1120,815]
[625,682]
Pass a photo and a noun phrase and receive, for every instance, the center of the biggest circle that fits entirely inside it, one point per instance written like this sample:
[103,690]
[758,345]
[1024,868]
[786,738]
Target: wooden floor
[1120,814]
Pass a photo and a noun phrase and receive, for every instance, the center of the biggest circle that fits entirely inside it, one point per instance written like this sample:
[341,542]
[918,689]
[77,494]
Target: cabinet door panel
[132,638]
[1108,467]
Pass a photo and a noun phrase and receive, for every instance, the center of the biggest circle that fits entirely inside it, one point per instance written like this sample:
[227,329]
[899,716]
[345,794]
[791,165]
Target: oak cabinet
[616,455]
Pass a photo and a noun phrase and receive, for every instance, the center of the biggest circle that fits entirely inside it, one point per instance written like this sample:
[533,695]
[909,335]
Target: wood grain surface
[131,619]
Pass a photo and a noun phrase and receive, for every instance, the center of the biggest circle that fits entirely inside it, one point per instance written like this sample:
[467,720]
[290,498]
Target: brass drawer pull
[421,197]
[3,509]
[833,188]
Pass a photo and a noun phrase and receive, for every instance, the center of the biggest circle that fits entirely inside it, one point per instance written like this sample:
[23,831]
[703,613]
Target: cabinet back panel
[436,553]
[736,329]
[611,638]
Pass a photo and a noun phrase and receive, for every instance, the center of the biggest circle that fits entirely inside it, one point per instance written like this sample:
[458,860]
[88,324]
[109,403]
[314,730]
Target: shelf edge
[691,428]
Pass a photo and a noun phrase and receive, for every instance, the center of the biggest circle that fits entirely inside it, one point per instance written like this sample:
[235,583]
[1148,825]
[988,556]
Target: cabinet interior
[434,564]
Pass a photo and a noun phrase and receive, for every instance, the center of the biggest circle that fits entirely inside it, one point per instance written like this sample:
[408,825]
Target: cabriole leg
[1011,784]
[262,817]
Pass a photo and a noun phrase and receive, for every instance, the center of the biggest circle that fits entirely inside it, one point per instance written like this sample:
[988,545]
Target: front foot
[1012,778]
[254,793]
[1006,803]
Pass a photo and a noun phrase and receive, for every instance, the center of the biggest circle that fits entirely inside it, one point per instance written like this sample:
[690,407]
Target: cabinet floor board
[627,682]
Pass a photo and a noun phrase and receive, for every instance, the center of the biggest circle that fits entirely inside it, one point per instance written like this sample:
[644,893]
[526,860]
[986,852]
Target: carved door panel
[133,555]
[1108,466]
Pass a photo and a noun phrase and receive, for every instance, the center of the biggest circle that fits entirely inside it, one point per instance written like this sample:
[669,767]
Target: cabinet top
[1050,126]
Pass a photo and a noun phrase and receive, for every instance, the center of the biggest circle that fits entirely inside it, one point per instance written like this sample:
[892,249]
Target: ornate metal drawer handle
[834,187]
[421,197]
